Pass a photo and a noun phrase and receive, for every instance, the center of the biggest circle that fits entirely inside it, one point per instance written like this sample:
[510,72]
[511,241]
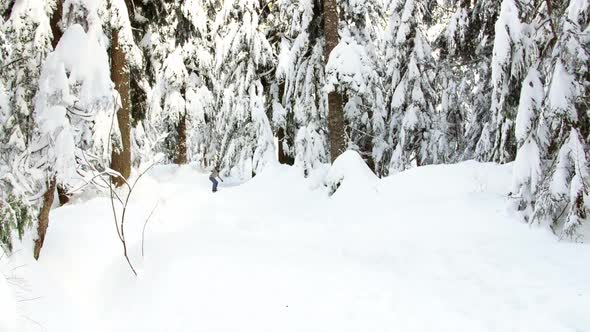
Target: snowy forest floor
[431,249]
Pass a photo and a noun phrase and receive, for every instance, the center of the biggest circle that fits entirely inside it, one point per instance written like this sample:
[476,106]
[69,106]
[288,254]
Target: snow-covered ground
[430,249]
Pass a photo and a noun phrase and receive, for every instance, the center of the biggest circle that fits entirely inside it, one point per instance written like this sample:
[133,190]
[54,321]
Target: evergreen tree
[180,105]
[355,72]
[531,136]
[469,37]
[299,105]
[73,113]
[556,135]
[336,125]
[242,54]
[124,55]
[410,86]
[28,34]
[512,53]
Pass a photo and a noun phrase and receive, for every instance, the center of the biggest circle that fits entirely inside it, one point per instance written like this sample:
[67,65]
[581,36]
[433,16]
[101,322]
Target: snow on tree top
[348,64]
[87,63]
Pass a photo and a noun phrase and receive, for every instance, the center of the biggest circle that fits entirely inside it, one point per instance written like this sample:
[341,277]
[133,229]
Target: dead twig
[144,225]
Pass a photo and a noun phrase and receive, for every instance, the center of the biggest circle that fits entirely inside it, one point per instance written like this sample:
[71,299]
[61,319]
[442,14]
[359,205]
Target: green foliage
[15,218]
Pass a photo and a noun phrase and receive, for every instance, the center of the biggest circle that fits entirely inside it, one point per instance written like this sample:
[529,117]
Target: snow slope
[8,313]
[430,249]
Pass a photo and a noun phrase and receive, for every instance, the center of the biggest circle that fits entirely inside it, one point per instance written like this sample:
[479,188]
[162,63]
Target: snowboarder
[213,177]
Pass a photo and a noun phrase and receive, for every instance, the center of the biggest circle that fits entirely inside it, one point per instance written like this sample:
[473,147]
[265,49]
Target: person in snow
[213,177]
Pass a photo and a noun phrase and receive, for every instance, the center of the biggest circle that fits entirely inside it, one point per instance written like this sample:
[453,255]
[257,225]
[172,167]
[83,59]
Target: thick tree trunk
[180,154]
[43,219]
[335,114]
[55,18]
[121,157]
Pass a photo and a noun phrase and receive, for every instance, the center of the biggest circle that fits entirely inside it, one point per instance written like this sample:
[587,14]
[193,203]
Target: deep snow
[430,249]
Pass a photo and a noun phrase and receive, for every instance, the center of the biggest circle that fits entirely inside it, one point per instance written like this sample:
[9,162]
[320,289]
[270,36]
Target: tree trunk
[62,194]
[180,154]
[55,18]
[57,33]
[335,114]
[121,157]
[43,219]
[284,158]
[8,11]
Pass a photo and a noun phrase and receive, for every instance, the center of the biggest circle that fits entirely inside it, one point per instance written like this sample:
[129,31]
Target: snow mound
[350,173]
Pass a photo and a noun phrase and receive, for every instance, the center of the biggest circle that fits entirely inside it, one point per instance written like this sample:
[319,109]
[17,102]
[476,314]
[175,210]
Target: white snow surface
[8,307]
[429,249]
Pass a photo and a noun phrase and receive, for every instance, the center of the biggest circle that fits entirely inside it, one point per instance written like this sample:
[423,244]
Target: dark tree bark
[335,113]
[8,11]
[43,219]
[284,158]
[55,19]
[62,194]
[121,157]
[180,154]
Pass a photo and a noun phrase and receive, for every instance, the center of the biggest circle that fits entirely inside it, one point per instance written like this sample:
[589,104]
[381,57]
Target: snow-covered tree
[73,116]
[180,54]
[28,35]
[455,76]
[355,70]
[464,71]
[511,56]
[410,91]
[561,200]
[16,214]
[532,138]
[299,105]
[242,54]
